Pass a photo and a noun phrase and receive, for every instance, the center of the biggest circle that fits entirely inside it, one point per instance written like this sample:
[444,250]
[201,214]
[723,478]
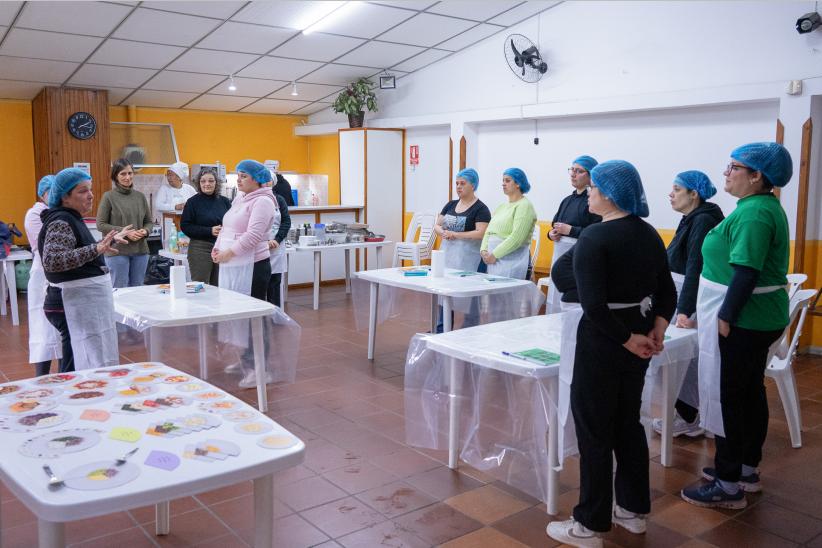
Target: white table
[8,281]
[449,287]
[24,475]
[318,249]
[483,346]
[145,307]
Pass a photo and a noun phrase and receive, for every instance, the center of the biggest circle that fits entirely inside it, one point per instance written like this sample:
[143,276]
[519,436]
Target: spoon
[122,460]
[54,481]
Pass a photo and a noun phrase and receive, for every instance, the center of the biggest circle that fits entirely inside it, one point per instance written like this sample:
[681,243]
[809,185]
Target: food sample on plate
[58,378]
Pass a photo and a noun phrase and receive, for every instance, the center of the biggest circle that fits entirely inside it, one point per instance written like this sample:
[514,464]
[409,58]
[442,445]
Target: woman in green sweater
[506,246]
[120,207]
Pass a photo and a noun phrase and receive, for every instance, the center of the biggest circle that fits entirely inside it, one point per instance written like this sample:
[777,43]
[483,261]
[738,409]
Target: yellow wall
[17,161]
[324,158]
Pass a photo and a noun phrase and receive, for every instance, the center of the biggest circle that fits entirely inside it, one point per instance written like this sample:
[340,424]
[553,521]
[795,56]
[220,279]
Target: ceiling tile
[477,10]
[169,80]
[470,36]
[47,45]
[311,109]
[10,89]
[220,102]
[275,106]
[36,70]
[307,92]
[7,12]
[164,99]
[88,18]
[291,14]
[218,10]
[212,62]
[244,37]
[135,54]
[248,87]
[521,12]
[115,95]
[366,20]
[317,46]
[104,75]
[427,29]
[410,4]
[165,28]
[379,54]
[425,58]
[340,75]
[279,68]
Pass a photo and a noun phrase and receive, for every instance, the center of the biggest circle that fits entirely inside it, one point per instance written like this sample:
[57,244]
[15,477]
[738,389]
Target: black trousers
[260,279]
[743,354]
[274,289]
[57,318]
[606,395]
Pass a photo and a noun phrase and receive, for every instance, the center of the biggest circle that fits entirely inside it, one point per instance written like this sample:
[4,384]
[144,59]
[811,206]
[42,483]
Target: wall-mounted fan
[523,58]
[134,154]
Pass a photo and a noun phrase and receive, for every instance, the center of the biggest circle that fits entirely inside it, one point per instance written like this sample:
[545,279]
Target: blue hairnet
[588,162]
[696,180]
[44,185]
[519,177]
[469,174]
[64,181]
[771,159]
[620,182]
[257,171]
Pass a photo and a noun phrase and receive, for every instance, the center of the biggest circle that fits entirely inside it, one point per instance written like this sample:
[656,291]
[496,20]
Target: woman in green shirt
[506,245]
[742,308]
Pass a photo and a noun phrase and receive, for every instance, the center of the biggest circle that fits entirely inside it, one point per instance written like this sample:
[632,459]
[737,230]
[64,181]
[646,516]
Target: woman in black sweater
[627,297]
[202,221]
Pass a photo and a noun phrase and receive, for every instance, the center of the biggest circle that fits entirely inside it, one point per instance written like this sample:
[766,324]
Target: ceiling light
[231,85]
[337,14]
[294,91]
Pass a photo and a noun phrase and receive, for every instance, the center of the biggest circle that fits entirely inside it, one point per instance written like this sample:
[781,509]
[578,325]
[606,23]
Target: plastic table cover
[24,475]
[506,406]
[216,324]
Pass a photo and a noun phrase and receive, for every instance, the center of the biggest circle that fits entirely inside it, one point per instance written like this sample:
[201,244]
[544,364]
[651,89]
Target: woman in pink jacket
[242,247]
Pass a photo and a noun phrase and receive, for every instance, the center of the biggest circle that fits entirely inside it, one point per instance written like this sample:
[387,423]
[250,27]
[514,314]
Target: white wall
[426,185]
[660,145]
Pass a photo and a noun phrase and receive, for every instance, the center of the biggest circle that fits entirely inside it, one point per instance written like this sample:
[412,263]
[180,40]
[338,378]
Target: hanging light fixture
[231,85]
[294,91]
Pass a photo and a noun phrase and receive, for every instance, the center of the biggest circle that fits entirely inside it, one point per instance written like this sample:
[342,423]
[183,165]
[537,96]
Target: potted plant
[355,99]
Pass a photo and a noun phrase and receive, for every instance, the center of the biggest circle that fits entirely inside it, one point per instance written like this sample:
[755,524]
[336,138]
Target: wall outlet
[794,87]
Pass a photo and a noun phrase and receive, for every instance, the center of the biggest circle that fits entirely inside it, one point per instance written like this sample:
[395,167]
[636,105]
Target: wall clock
[82,125]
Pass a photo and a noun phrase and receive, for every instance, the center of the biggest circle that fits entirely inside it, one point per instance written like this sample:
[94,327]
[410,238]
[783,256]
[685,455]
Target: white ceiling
[180,54]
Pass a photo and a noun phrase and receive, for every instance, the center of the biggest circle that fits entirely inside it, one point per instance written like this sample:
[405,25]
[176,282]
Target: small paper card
[122,433]
[537,356]
[95,415]
[163,460]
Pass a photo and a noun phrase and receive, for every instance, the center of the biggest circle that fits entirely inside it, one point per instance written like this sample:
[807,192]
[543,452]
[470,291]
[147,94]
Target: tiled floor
[360,485]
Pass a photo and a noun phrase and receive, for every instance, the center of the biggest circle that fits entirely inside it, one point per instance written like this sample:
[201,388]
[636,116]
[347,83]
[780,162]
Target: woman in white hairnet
[173,196]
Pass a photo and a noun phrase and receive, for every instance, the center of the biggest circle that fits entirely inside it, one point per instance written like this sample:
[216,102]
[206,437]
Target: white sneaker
[236,367]
[250,379]
[635,523]
[681,426]
[573,533]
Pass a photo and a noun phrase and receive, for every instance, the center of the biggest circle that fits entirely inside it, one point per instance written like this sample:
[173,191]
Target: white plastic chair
[534,251]
[780,364]
[416,251]
[795,282]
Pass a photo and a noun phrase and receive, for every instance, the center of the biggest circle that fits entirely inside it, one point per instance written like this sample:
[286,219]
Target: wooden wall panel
[56,149]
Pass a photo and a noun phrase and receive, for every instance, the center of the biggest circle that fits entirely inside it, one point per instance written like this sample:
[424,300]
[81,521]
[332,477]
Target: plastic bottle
[172,243]
[319,232]
[182,242]
[315,200]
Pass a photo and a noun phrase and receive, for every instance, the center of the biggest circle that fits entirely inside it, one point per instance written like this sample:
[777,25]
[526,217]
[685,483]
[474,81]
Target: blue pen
[510,355]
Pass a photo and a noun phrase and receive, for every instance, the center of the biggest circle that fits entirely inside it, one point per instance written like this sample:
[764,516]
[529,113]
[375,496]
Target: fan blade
[530,51]
[513,47]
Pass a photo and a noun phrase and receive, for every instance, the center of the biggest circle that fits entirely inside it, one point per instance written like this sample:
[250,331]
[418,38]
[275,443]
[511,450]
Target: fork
[54,481]
[122,460]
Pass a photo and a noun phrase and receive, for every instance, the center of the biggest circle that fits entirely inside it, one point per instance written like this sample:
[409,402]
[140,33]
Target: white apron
[89,308]
[708,302]
[278,257]
[561,247]
[44,339]
[689,391]
[513,265]
[462,255]
[567,355]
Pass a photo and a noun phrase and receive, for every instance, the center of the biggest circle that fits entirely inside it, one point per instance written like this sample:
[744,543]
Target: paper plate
[220,406]
[35,421]
[38,393]
[7,389]
[253,427]
[112,373]
[177,379]
[135,389]
[242,415]
[192,387]
[209,395]
[99,475]
[58,378]
[83,397]
[147,378]
[54,444]
[277,442]
[24,407]
[90,384]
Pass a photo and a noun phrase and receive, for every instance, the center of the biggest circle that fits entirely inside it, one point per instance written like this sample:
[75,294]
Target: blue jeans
[127,270]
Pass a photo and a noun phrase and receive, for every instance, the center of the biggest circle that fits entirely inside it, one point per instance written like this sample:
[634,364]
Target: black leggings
[57,318]
[274,289]
[259,290]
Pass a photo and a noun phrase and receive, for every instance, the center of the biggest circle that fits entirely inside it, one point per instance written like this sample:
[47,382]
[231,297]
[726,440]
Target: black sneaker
[749,483]
[712,495]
